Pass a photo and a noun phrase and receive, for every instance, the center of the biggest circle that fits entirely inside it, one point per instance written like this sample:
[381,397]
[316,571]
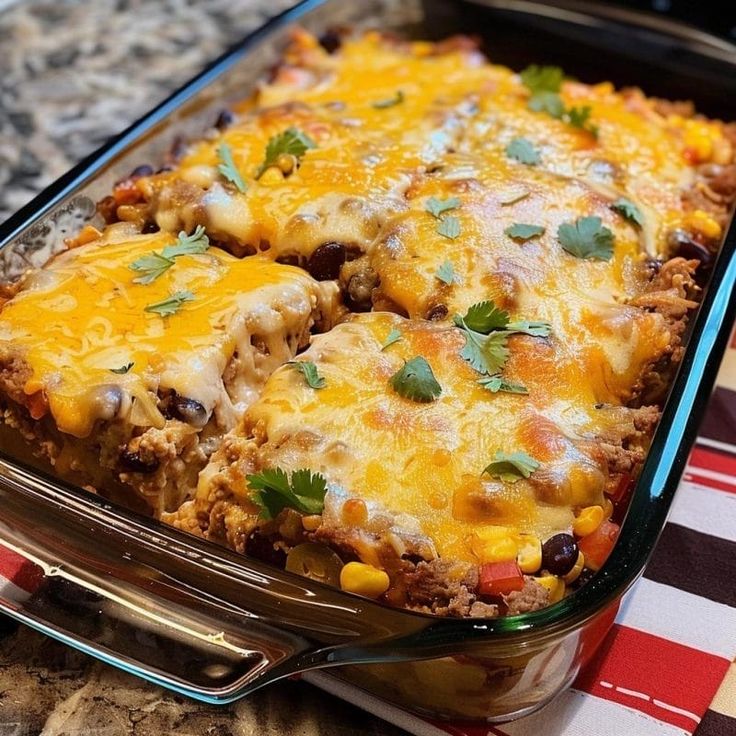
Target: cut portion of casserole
[416,485]
[127,358]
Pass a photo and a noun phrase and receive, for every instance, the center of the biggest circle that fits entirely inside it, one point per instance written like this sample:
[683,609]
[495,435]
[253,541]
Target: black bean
[135,463]
[325,263]
[189,411]
[262,548]
[224,119]
[681,244]
[142,170]
[437,312]
[559,554]
[330,41]
[150,227]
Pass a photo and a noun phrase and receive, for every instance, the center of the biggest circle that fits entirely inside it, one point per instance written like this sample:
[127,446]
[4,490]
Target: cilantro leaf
[227,167]
[391,338]
[628,210]
[309,371]
[586,238]
[578,117]
[152,266]
[397,99]
[171,305]
[122,370]
[486,329]
[291,141]
[485,353]
[535,329]
[156,264]
[497,382]
[511,467]
[523,151]
[542,78]
[484,317]
[446,273]
[437,206]
[521,231]
[415,381]
[449,227]
[197,242]
[549,102]
[274,492]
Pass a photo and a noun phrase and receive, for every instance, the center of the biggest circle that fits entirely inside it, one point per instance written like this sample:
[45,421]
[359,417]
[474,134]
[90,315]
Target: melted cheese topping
[426,460]
[83,316]
[456,116]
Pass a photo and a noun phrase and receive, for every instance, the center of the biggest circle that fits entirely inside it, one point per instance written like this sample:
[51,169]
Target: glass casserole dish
[191,599]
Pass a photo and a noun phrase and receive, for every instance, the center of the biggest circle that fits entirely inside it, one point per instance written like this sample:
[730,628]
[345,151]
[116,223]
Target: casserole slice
[125,359]
[433,480]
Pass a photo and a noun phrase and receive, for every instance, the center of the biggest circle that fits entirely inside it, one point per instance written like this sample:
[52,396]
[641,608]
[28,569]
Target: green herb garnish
[151,266]
[523,151]
[486,329]
[391,338]
[522,231]
[628,210]
[309,371]
[156,264]
[397,99]
[513,467]
[437,206]
[586,238]
[446,273]
[544,83]
[497,382]
[187,245]
[122,370]
[292,141]
[484,317]
[227,167]
[171,305]
[416,381]
[449,227]
[274,492]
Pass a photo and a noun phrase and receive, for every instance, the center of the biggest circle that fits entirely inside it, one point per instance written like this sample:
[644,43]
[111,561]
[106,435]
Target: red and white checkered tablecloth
[666,668]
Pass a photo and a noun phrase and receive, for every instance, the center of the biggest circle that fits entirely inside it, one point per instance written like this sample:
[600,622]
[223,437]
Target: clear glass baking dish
[214,625]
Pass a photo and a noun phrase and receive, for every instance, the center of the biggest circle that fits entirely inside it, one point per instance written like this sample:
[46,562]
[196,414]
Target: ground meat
[442,587]
[531,597]
[14,373]
[683,108]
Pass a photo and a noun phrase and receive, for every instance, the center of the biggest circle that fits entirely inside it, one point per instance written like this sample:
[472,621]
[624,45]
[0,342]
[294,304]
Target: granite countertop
[72,73]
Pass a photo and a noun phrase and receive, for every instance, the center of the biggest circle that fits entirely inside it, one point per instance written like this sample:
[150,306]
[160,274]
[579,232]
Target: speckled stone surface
[72,73]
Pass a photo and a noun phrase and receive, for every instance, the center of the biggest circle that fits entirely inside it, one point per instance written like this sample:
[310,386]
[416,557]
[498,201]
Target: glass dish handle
[114,585]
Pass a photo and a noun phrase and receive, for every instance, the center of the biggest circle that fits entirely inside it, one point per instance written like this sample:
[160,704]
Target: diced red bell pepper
[625,484]
[598,544]
[500,578]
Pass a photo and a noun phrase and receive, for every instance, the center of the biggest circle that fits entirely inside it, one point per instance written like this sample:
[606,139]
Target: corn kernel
[588,520]
[574,574]
[607,508]
[554,585]
[698,138]
[355,512]
[272,175]
[702,222]
[362,579]
[530,553]
[286,163]
[311,523]
[494,544]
